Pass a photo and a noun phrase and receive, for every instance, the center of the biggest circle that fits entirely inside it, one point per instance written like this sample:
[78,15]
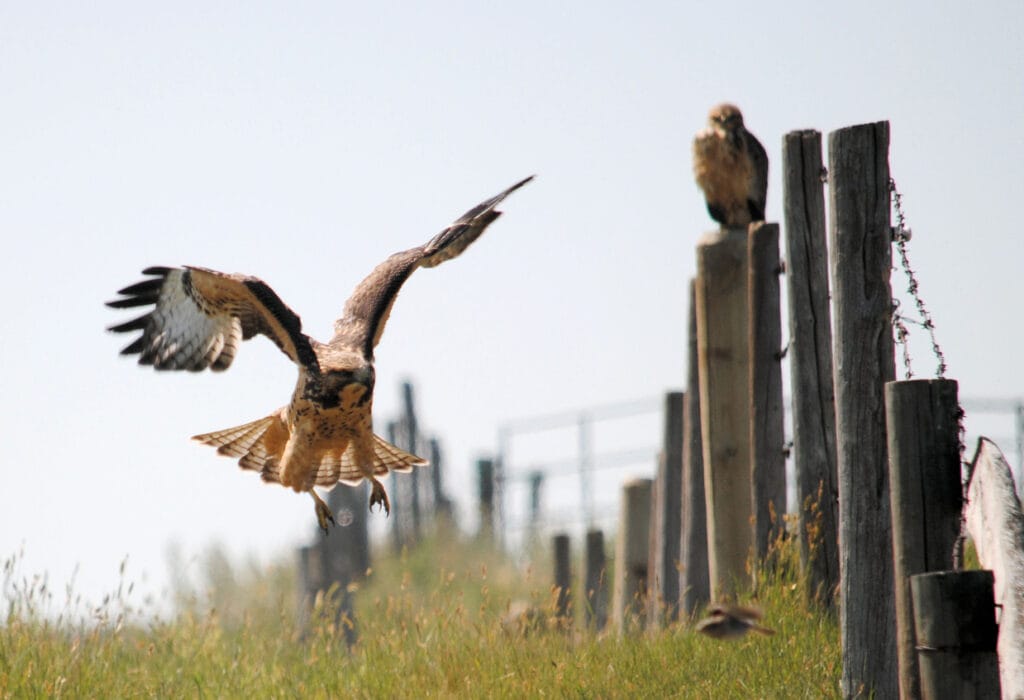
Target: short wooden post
[631,552]
[724,359]
[663,601]
[594,583]
[563,581]
[694,587]
[485,482]
[861,258]
[767,430]
[955,622]
[926,496]
[810,362]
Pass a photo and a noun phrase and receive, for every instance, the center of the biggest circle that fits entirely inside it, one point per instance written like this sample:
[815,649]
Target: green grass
[430,625]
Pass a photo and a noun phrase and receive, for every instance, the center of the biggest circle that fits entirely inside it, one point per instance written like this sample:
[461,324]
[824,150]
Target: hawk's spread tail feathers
[259,445]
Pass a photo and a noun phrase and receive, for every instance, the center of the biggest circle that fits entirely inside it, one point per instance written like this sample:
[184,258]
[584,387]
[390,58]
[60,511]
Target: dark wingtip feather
[136,324]
[129,302]
[143,288]
[519,184]
[134,348]
[157,270]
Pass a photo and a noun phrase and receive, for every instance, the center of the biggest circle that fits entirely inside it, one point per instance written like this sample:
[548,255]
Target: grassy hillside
[431,625]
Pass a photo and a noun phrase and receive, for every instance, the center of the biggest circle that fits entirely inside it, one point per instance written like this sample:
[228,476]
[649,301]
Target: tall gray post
[767,430]
[694,587]
[663,602]
[861,260]
[810,362]
[724,358]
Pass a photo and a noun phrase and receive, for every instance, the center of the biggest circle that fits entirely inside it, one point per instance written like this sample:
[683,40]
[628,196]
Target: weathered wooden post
[663,598]
[398,517]
[442,506]
[346,552]
[767,430]
[955,622]
[724,360]
[536,489]
[410,444]
[693,574]
[332,563]
[595,582]
[810,362]
[310,582]
[631,552]
[861,259]
[563,581]
[926,495]
[996,524]
[485,482]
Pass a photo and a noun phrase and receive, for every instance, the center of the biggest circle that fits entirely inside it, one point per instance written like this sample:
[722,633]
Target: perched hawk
[731,167]
[325,434]
[731,622]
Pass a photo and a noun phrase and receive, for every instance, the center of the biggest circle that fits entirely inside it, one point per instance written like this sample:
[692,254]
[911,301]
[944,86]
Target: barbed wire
[901,235]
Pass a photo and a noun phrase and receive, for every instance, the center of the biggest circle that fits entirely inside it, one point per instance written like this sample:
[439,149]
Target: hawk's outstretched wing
[201,316]
[367,310]
[757,196]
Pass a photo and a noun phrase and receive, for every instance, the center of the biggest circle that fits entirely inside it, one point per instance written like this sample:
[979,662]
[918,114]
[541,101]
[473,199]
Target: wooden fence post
[955,622]
[724,359]
[485,481]
[663,601]
[693,574]
[536,490]
[767,431]
[442,504]
[398,517]
[861,259]
[996,524]
[310,582]
[563,581]
[631,552]
[595,582]
[810,362]
[926,495]
[347,550]
[411,444]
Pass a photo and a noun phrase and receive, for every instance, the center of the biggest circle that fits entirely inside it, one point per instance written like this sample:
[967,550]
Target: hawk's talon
[378,496]
[323,513]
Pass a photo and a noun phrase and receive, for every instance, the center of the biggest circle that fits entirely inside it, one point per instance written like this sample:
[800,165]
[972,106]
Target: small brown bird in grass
[200,317]
[731,622]
[731,167]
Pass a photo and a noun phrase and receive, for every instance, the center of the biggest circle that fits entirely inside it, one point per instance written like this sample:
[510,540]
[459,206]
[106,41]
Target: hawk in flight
[325,434]
[732,622]
[731,167]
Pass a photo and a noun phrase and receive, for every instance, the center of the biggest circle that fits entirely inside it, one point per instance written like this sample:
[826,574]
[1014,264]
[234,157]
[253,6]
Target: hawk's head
[340,387]
[726,118]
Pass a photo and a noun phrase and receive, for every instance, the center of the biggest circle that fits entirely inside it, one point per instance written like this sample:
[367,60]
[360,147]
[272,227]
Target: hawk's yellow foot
[323,512]
[379,496]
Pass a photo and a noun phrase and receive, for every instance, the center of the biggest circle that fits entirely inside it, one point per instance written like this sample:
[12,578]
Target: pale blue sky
[304,142]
